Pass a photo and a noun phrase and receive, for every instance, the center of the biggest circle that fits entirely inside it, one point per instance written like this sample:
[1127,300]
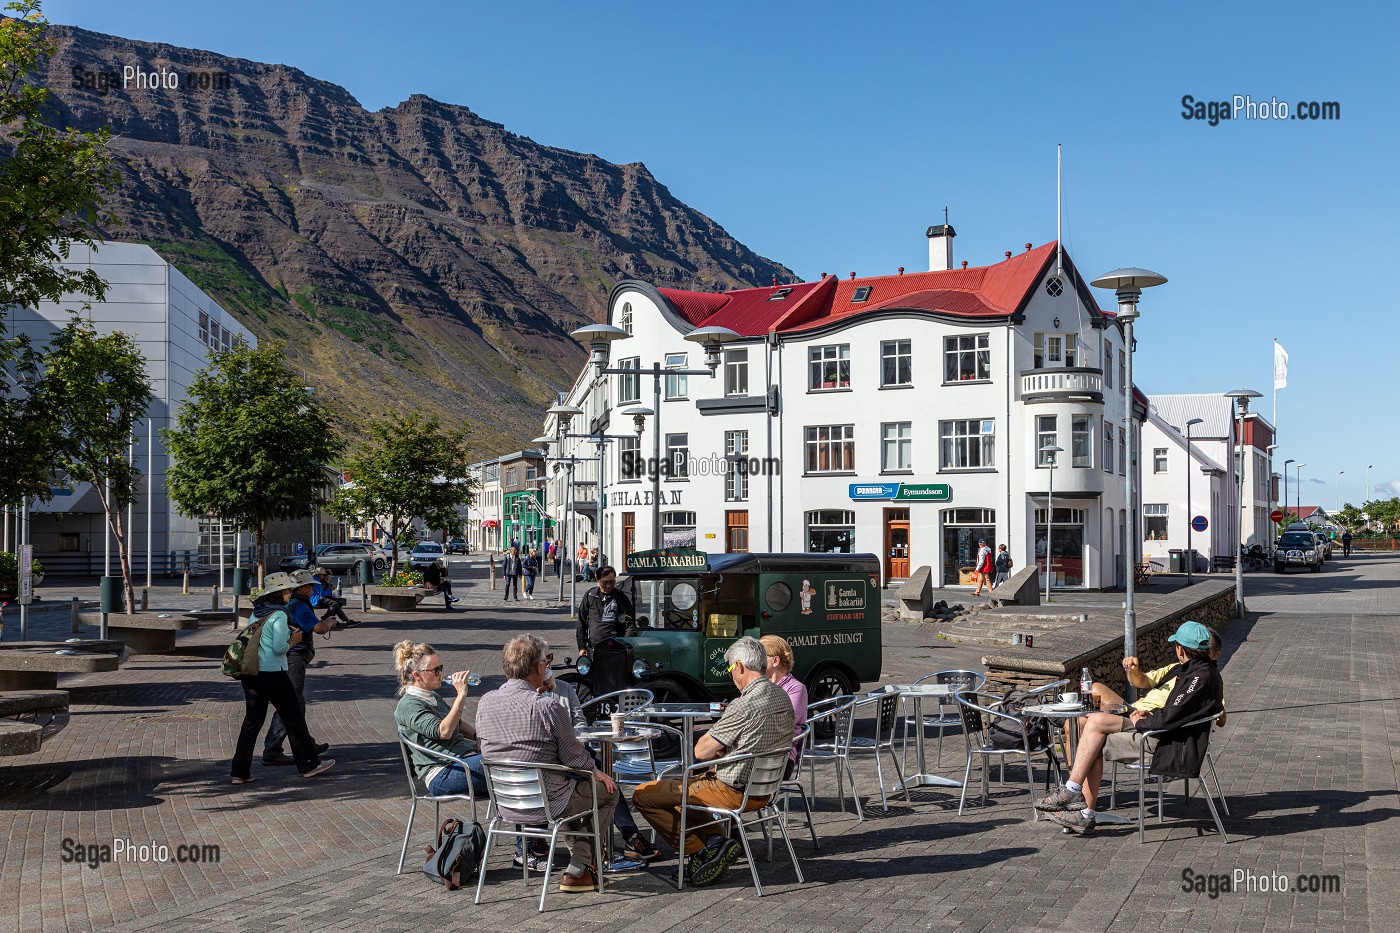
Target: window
[204,328]
[629,457]
[1107,365]
[1046,435]
[1054,287]
[531,473]
[896,363]
[1159,460]
[967,356]
[830,367]
[831,531]
[1122,368]
[626,317]
[678,529]
[511,475]
[1063,516]
[1056,350]
[1071,350]
[736,477]
[861,294]
[966,445]
[1107,447]
[831,448]
[780,295]
[676,386]
[629,386]
[1082,441]
[897,446]
[1154,521]
[677,456]
[1123,452]
[736,372]
[67,541]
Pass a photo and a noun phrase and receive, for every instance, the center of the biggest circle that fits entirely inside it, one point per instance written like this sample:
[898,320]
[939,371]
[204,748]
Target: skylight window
[861,294]
[780,294]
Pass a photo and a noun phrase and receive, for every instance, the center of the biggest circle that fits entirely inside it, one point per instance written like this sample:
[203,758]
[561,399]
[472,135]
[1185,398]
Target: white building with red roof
[899,415]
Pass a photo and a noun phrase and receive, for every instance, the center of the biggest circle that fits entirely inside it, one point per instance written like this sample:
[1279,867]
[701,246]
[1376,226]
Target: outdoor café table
[690,713]
[1069,714]
[915,694]
[603,735]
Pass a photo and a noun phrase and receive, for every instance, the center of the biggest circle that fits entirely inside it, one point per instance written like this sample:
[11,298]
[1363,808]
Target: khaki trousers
[660,803]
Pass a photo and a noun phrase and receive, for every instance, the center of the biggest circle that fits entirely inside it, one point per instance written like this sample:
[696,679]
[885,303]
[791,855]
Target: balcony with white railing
[1062,384]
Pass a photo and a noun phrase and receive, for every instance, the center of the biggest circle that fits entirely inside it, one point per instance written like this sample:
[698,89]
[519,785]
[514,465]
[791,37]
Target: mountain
[415,255]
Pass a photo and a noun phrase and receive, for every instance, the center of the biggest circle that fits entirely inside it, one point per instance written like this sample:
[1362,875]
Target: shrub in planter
[404,577]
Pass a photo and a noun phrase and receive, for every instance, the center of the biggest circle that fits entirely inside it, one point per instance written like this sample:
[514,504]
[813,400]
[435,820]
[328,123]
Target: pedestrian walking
[1002,565]
[531,566]
[983,567]
[511,569]
[1346,543]
[301,616]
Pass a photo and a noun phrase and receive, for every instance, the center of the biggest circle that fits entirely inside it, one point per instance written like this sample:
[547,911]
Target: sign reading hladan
[668,559]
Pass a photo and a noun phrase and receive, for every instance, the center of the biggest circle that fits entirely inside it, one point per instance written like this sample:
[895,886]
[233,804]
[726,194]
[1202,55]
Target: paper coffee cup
[617,721]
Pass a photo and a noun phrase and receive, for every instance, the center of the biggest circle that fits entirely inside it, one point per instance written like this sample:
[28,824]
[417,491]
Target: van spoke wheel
[829,682]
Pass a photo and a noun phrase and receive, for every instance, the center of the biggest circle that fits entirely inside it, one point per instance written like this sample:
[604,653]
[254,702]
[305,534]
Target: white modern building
[175,325]
[900,415]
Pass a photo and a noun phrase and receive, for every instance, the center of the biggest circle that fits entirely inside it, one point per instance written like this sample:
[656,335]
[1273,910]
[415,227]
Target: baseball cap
[1192,635]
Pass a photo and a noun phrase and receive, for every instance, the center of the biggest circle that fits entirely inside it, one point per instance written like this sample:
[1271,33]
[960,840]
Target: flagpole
[1275,419]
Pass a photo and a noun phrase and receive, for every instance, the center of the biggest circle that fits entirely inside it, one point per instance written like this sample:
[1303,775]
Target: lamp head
[639,417]
[712,339]
[1127,285]
[599,337]
[1242,397]
[563,414]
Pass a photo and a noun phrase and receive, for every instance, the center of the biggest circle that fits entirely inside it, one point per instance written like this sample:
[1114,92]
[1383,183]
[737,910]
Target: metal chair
[839,714]
[794,783]
[948,716]
[886,703]
[635,762]
[1161,780]
[619,701]
[405,744]
[765,779]
[519,786]
[977,717]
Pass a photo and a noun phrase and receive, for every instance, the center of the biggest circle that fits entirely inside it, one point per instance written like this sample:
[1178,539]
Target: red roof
[1307,511]
[983,291]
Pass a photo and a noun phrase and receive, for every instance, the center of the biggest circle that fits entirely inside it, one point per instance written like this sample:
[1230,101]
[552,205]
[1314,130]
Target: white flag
[1280,366]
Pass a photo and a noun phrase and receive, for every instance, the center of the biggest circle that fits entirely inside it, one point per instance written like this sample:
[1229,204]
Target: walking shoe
[708,865]
[322,768]
[534,861]
[637,847]
[322,747]
[1076,822]
[586,880]
[279,758]
[729,853]
[1061,799]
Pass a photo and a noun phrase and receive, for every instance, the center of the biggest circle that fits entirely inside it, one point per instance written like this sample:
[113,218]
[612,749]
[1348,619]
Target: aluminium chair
[837,714]
[1142,769]
[405,745]
[793,784]
[978,715]
[885,704]
[947,716]
[619,701]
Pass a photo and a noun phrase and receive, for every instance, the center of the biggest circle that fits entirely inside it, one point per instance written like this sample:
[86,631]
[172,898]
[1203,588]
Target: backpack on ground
[1002,734]
[457,854]
[241,657]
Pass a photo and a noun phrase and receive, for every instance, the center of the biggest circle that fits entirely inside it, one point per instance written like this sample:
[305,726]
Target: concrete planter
[395,598]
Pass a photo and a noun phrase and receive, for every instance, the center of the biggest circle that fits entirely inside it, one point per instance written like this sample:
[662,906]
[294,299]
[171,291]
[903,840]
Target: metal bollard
[492,568]
[186,590]
[214,596]
[145,598]
[73,614]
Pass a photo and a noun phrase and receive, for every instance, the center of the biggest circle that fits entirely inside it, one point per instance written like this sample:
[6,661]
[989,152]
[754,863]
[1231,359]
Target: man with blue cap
[1197,692]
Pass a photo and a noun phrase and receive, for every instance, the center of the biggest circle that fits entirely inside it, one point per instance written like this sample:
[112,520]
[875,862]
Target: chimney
[901,270]
[940,247]
[853,276]
[964,263]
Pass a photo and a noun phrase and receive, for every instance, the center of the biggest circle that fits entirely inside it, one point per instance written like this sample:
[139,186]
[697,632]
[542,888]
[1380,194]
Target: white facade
[174,324]
[937,379]
[1166,509]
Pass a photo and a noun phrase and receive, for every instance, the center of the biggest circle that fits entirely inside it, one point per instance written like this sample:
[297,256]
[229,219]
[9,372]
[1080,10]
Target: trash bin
[1189,562]
[1174,560]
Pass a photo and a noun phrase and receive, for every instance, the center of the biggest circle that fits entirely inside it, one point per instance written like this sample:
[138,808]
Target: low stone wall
[1097,642]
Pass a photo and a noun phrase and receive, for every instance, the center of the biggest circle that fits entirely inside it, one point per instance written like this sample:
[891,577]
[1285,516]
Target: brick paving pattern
[1307,762]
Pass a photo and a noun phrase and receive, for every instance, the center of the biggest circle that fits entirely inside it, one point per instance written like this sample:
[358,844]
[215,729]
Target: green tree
[410,467]
[95,389]
[50,188]
[249,444]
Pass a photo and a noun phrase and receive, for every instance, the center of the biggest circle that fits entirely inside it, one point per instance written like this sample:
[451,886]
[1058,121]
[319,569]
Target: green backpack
[241,658]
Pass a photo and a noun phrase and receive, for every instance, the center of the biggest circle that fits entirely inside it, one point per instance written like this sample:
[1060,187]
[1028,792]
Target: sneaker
[322,747]
[586,880]
[729,853]
[637,847]
[322,768]
[279,758]
[1061,799]
[1076,822]
[709,864]
[533,861]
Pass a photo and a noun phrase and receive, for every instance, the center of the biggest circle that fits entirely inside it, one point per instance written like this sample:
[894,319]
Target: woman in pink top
[780,672]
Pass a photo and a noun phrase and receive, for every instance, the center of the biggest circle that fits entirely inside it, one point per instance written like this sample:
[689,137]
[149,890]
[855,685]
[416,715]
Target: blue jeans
[453,780]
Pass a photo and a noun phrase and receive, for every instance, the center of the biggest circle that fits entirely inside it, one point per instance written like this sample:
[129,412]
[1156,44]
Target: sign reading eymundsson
[903,492]
[668,559]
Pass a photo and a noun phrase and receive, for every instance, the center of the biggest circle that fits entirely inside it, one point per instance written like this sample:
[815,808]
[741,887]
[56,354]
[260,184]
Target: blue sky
[828,136]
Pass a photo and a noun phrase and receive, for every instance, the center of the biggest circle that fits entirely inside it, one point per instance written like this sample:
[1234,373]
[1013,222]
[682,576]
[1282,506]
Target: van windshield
[1297,539]
[721,606]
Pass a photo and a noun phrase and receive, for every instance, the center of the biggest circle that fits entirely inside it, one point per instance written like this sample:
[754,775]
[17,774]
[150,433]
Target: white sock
[1088,813]
[1072,787]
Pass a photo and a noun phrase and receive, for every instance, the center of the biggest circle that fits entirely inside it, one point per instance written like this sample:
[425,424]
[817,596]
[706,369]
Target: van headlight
[584,665]
[639,667]
[1312,553]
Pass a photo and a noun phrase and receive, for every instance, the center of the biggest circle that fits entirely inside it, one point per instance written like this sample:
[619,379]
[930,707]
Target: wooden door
[629,536]
[896,544]
[736,532]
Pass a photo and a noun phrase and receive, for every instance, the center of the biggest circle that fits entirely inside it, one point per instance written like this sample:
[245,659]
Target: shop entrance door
[896,544]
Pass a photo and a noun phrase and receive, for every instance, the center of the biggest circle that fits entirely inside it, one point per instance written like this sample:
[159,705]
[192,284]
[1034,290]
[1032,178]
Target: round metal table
[603,735]
[915,693]
[1071,716]
[689,713]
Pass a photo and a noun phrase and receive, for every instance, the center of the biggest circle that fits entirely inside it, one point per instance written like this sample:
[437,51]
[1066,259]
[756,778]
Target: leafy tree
[1349,516]
[95,389]
[1383,512]
[249,444]
[410,467]
[50,185]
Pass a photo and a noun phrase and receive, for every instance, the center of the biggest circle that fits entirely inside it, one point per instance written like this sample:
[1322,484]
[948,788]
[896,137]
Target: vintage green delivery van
[691,606]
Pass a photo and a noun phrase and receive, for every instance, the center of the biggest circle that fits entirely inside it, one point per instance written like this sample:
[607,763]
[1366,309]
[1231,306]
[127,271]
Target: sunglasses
[434,670]
[548,659]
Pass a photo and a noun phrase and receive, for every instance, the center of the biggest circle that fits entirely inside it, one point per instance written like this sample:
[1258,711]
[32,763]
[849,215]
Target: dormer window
[780,294]
[861,294]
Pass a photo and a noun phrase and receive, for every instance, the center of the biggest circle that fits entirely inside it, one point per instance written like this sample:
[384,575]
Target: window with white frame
[1107,365]
[896,363]
[677,386]
[1123,452]
[626,317]
[1107,446]
[736,477]
[678,456]
[897,447]
[1063,516]
[1081,441]
[678,529]
[1122,368]
[1154,521]
[736,371]
[1046,435]
[967,357]
[1055,350]
[629,385]
[1159,460]
[829,367]
[630,466]
[831,531]
[966,444]
[831,448]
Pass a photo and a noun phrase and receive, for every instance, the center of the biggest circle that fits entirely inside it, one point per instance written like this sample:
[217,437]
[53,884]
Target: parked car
[458,546]
[424,553]
[346,558]
[300,561]
[1324,544]
[1297,549]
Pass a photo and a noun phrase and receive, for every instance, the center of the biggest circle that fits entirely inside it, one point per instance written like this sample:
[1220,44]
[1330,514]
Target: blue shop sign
[874,490]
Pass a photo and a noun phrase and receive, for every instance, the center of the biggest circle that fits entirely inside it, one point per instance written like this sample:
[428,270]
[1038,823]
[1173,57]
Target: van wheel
[830,681]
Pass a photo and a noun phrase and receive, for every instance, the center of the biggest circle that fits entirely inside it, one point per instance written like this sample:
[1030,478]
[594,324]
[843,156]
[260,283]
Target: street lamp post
[1052,452]
[1298,493]
[1339,489]
[1368,482]
[1128,285]
[1285,488]
[1190,518]
[599,338]
[1241,397]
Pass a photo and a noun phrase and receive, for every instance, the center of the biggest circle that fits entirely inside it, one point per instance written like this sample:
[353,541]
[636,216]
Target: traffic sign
[1199,523]
[1276,516]
[26,574]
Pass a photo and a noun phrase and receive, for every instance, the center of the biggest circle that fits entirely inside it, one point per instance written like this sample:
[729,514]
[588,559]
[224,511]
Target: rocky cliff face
[417,255]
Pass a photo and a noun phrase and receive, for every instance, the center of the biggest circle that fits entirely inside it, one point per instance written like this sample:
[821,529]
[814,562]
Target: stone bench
[24,735]
[37,668]
[144,632]
[397,598]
